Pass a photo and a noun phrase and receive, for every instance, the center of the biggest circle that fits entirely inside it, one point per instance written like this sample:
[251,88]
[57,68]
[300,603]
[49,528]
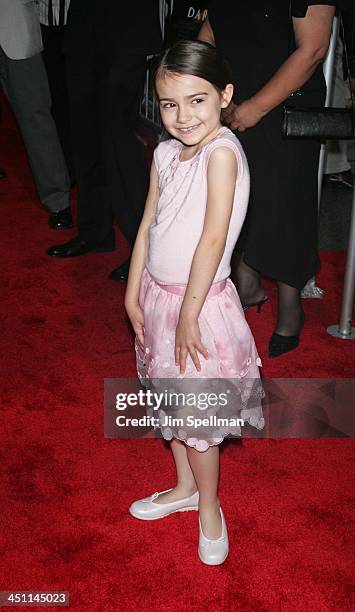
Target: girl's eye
[197,100]
[167,105]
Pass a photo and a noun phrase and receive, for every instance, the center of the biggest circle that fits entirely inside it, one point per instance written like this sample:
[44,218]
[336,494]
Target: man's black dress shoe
[120,274]
[61,219]
[78,246]
[343,179]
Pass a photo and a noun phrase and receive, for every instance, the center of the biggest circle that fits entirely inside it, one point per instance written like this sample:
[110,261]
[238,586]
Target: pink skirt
[233,363]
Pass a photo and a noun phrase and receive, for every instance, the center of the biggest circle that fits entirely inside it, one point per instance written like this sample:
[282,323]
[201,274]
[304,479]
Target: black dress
[279,237]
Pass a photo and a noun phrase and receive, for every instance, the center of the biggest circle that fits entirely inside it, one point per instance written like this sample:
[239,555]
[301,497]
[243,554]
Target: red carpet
[66,489]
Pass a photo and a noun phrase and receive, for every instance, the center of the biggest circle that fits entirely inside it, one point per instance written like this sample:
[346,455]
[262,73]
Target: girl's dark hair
[196,58]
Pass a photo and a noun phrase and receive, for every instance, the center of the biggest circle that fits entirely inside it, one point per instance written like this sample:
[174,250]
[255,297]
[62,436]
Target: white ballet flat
[147,510]
[213,552]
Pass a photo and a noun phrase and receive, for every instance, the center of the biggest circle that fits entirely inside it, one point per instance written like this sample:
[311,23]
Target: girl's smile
[189,130]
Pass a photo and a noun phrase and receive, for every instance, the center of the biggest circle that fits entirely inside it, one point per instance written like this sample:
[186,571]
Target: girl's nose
[184,115]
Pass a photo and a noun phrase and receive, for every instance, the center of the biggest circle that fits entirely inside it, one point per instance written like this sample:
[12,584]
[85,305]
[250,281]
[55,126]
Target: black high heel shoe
[258,304]
[278,345]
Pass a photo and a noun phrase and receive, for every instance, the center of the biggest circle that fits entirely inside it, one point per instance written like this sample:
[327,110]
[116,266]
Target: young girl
[185,311]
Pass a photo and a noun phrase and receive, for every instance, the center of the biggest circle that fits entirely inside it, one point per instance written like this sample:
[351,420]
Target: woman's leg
[185,481]
[205,467]
[290,312]
[247,281]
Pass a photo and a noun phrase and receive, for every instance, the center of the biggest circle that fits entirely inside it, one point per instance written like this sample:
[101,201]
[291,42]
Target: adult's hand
[245,115]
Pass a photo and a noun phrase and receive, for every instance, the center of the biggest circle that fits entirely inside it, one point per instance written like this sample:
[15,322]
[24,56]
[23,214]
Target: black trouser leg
[124,155]
[54,61]
[94,206]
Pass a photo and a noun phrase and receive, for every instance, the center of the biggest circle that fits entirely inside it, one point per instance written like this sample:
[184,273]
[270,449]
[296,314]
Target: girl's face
[190,107]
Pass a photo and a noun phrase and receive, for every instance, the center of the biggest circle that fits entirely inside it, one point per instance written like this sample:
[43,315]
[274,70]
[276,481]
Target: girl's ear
[227,94]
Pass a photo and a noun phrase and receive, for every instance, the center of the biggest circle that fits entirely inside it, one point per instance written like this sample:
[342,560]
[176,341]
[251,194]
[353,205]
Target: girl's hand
[245,115]
[188,341]
[135,314]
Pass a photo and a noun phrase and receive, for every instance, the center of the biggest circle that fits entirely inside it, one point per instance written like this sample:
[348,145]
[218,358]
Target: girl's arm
[221,179]
[312,34]
[138,258]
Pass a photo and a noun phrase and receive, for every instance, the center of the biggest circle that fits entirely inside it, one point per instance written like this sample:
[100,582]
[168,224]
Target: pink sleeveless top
[180,213]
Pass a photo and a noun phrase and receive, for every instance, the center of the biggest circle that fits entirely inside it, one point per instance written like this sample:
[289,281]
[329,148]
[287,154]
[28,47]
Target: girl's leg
[205,467]
[185,481]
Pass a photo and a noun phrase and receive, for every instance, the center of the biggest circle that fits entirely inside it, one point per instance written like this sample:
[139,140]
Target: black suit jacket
[113,26]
